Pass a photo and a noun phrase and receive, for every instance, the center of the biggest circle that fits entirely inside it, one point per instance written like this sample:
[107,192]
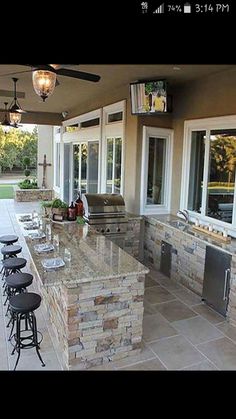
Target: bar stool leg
[12,319]
[17,337]
[35,337]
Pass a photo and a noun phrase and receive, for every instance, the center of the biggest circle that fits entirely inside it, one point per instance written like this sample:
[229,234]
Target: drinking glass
[56,242]
[67,255]
[48,232]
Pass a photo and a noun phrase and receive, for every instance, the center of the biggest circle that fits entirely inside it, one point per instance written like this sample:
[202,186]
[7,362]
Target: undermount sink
[179,224]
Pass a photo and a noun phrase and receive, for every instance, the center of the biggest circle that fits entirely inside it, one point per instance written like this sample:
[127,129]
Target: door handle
[227,271]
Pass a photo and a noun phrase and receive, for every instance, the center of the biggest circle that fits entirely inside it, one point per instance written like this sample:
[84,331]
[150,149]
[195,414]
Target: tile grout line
[159,358]
[200,351]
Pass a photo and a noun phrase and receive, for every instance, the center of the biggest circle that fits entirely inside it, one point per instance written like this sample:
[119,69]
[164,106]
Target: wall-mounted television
[149,97]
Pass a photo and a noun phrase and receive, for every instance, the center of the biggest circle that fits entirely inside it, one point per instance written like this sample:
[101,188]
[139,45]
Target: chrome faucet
[185,215]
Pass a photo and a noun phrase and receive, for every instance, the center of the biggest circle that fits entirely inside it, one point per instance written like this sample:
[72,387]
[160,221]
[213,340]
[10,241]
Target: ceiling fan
[44,76]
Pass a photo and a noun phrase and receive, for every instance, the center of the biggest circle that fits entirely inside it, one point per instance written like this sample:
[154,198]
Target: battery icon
[187,8]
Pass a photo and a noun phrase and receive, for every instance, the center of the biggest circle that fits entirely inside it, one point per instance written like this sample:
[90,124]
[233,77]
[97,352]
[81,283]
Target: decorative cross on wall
[44,164]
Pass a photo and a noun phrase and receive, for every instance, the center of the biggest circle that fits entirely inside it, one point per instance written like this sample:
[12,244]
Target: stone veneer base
[96,322]
[28,195]
[188,259]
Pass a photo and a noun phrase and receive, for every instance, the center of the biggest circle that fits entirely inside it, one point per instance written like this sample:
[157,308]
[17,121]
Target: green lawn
[6,192]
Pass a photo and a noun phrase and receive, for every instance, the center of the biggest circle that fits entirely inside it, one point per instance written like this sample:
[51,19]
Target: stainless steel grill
[106,213]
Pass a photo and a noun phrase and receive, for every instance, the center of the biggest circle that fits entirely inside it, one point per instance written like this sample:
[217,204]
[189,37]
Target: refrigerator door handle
[227,271]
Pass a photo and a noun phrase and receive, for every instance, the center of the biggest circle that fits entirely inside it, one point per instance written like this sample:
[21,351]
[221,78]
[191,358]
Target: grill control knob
[118,229]
[102,230]
[107,230]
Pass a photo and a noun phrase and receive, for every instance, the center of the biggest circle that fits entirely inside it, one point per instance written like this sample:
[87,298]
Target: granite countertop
[167,218]
[93,256]
[131,216]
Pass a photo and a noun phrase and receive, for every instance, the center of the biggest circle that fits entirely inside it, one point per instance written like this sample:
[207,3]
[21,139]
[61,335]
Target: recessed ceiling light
[176,68]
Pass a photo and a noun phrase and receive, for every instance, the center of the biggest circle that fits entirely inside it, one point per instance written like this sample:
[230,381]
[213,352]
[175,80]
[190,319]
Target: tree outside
[15,145]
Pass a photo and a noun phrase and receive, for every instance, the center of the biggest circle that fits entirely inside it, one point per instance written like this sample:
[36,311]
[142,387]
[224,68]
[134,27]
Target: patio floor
[179,331]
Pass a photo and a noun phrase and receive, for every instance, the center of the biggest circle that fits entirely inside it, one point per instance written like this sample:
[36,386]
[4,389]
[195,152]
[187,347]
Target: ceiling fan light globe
[44,83]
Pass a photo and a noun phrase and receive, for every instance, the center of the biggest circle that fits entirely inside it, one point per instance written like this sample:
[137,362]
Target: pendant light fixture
[15,109]
[44,83]
[6,121]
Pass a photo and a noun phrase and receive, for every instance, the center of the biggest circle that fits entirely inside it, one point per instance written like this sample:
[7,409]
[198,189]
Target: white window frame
[168,135]
[205,124]
[113,138]
[57,140]
[87,141]
[114,129]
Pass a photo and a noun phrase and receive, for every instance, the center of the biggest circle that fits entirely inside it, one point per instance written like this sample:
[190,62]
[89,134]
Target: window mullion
[113,165]
[205,173]
[80,154]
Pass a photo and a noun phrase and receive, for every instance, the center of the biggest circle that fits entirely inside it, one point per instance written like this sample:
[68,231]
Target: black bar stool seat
[22,307]
[11,250]
[8,240]
[14,264]
[24,303]
[19,280]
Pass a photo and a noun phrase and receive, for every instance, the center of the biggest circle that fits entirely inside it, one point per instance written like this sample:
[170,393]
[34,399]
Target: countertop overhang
[93,257]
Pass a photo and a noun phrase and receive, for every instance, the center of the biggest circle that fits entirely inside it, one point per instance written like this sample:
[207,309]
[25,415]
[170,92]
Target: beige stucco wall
[209,97]
[45,146]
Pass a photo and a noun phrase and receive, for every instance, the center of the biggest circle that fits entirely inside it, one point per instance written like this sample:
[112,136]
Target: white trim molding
[168,136]
[207,125]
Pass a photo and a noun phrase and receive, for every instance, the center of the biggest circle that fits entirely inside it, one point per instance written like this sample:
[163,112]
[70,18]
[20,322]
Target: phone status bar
[150,8]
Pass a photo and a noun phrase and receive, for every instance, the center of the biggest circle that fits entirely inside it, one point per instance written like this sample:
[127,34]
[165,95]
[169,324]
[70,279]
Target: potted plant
[47,205]
[59,208]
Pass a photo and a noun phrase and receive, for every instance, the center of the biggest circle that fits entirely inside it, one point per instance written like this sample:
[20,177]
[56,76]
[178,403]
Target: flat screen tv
[149,97]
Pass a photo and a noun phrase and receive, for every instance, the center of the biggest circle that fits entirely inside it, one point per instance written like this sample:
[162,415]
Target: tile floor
[179,331]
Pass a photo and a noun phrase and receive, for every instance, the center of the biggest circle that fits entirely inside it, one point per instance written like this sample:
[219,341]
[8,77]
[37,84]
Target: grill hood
[103,205]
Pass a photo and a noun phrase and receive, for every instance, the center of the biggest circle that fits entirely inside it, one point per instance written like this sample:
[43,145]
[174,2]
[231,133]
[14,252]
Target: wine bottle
[79,206]
[72,212]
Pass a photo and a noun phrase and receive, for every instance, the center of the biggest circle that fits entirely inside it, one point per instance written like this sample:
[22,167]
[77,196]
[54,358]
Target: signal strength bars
[160,9]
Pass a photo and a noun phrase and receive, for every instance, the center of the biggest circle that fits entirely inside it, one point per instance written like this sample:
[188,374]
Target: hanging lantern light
[44,83]
[15,109]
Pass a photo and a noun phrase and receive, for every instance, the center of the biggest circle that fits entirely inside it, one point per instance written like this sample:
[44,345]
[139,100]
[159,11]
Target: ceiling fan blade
[78,74]
[45,67]
[15,73]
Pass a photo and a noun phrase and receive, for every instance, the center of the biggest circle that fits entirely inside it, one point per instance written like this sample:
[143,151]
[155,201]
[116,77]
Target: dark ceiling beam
[40,118]
[9,93]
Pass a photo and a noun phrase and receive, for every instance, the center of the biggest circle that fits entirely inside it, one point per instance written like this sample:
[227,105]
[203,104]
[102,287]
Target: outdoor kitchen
[130,261]
[94,301]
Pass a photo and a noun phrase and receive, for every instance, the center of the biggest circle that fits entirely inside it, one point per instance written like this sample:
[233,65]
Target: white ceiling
[72,93]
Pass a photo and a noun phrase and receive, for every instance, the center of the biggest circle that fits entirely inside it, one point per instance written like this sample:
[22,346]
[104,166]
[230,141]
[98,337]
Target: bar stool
[10,251]
[8,240]
[12,266]
[22,306]
[16,284]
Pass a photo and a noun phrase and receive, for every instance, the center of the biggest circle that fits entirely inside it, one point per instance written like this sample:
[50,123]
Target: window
[85,167]
[113,163]
[156,170]
[209,170]
[113,146]
[72,128]
[57,164]
[114,117]
[90,123]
